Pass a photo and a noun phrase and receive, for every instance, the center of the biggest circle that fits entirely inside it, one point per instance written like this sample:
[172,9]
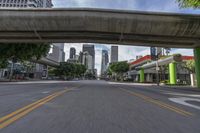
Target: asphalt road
[97,107]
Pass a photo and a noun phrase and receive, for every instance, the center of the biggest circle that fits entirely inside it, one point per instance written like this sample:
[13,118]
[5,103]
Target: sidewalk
[14,80]
[174,87]
[185,88]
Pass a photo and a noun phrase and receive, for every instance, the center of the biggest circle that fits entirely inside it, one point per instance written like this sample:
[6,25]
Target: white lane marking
[45,92]
[182,94]
[130,84]
[183,101]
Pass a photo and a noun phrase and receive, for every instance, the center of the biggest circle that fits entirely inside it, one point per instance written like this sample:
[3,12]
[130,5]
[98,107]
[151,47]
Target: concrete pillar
[142,76]
[197,65]
[172,73]
[192,79]
[148,79]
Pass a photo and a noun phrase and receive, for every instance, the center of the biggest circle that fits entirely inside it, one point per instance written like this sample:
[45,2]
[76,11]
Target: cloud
[142,5]
[188,52]
[130,52]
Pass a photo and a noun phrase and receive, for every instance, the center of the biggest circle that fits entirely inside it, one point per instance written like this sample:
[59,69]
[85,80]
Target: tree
[70,70]
[22,51]
[189,65]
[119,68]
[189,3]
[3,63]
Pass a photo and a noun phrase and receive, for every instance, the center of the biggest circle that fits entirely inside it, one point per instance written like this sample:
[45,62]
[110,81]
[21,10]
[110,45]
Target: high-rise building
[80,59]
[114,54]
[91,51]
[87,61]
[46,3]
[72,53]
[26,3]
[156,53]
[57,53]
[104,62]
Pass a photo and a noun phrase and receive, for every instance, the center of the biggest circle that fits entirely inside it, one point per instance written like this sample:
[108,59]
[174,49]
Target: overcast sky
[125,52]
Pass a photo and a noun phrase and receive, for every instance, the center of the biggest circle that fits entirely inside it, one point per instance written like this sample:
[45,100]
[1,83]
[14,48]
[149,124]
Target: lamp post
[157,73]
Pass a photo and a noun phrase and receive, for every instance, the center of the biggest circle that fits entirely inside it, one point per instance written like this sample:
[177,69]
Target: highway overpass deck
[100,26]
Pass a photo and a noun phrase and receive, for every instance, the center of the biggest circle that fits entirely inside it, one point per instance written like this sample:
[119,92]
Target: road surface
[97,107]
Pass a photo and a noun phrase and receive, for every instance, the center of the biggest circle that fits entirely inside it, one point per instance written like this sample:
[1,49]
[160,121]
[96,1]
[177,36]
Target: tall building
[58,53]
[46,3]
[72,53]
[61,47]
[91,51]
[104,62]
[156,52]
[26,3]
[114,54]
[80,59]
[87,61]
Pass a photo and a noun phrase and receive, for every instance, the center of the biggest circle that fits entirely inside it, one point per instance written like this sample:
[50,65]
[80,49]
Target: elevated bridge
[100,26]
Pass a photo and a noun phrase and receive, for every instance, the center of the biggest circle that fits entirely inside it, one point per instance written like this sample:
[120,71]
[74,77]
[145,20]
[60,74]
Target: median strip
[159,103]
[12,117]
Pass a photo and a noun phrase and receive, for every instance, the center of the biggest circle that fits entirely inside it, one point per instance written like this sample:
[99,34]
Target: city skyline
[125,52]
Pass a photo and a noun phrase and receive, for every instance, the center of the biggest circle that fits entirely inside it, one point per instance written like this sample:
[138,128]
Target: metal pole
[197,65]
[157,73]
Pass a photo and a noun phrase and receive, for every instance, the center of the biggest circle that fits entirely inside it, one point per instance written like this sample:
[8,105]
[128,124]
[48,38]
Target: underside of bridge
[102,26]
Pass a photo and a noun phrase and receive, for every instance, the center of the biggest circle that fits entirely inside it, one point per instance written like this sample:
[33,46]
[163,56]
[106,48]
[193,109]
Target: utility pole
[157,73]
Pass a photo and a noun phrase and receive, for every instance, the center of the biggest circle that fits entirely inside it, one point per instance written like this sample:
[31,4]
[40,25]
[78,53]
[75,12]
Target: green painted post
[142,76]
[172,73]
[197,65]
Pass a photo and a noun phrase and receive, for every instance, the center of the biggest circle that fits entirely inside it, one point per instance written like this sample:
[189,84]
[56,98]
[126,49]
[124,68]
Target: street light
[157,73]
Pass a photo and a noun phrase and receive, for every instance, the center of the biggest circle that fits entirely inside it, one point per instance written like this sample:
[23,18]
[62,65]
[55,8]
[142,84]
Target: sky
[125,52]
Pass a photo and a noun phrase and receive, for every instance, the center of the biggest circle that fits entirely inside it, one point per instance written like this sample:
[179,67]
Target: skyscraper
[72,53]
[80,59]
[104,62]
[114,54]
[91,51]
[26,3]
[58,53]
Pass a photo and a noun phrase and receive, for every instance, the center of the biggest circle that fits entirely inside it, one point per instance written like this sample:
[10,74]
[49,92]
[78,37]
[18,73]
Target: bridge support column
[142,76]
[172,73]
[197,65]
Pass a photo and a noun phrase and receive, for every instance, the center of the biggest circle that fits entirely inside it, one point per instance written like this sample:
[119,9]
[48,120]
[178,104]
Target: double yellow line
[12,117]
[159,103]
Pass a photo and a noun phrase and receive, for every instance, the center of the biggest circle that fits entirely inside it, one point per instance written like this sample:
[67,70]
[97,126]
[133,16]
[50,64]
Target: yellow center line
[24,108]
[10,118]
[159,103]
